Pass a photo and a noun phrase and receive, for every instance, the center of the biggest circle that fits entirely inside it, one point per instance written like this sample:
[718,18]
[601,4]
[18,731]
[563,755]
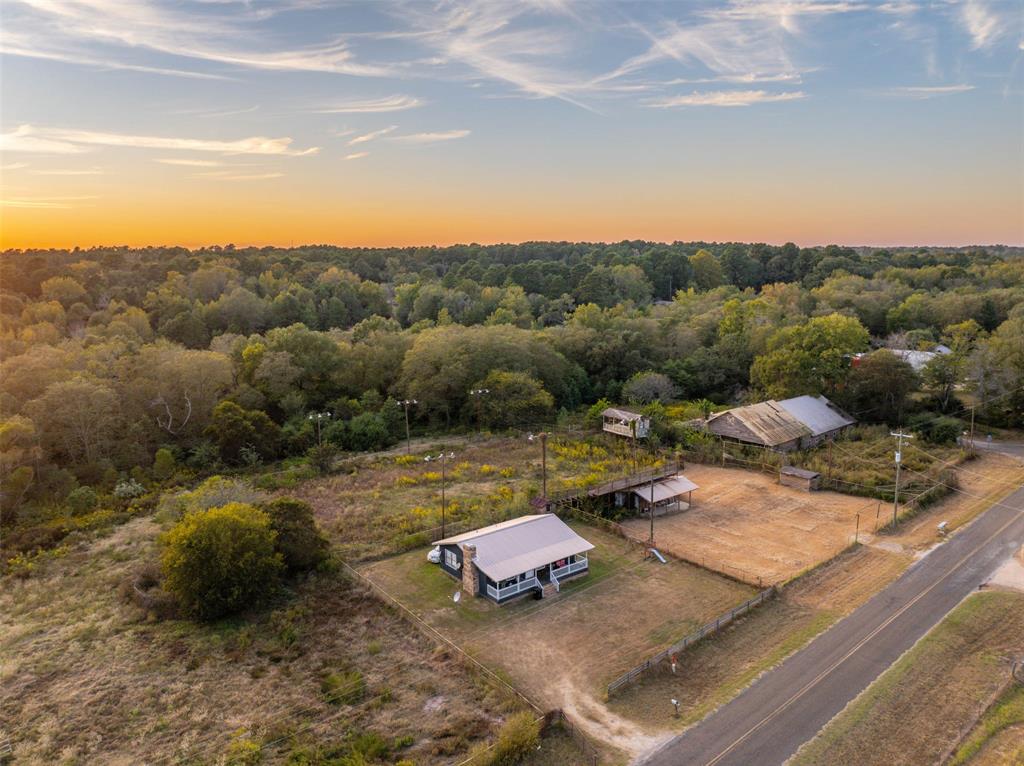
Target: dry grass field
[392,503]
[745,523]
[563,651]
[713,671]
[915,712]
[88,678]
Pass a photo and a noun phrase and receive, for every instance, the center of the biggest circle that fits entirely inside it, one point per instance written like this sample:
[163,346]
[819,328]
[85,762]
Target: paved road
[767,723]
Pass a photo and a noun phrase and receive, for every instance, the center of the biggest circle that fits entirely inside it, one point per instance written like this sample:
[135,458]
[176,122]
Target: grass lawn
[998,738]
[712,672]
[563,651]
[917,709]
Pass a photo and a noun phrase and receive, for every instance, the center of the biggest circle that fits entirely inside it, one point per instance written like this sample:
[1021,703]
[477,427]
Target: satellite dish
[457,597]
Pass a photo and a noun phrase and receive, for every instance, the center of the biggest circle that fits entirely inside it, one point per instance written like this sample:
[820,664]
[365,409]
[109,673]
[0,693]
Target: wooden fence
[701,633]
[558,717]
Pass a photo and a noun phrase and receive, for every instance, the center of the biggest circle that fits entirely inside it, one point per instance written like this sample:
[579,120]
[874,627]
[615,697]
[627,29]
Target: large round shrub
[298,539]
[221,560]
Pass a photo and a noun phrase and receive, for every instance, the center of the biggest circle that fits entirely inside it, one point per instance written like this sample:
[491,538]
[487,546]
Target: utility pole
[443,457]
[652,511]
[405,404]
[900,436]
[972,427]
[636,462]
[543,436]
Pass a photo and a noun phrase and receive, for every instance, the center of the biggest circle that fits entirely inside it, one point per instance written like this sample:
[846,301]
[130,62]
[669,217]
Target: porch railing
[512,590]
[569,569]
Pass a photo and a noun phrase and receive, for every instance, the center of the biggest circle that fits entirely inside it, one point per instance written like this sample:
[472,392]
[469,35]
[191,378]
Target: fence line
[557,717]
[702,632]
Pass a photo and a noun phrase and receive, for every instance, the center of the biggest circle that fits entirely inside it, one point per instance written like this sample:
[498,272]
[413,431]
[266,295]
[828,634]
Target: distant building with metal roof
[786,425]
[512,558]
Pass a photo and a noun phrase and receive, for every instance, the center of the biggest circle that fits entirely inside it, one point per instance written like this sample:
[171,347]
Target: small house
[531,554]
[801,478]
[626,423]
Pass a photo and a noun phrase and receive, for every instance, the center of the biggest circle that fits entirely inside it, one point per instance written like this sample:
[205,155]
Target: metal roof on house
[510,548]
[664,490]
[768,422]
[626,415]
[817,413]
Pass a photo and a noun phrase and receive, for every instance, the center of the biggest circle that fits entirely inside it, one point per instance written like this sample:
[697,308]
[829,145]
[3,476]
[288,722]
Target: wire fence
[701,633]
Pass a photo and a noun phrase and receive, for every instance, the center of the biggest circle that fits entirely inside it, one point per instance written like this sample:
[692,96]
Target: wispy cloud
[431,138]
[373,105]
[373,134]
[27,138]
[44,203]
[725,98]
[233,37]
[230,175]
[927,91]
[14,166]
[357,155]
[69,172]
[190,163]
[981,23]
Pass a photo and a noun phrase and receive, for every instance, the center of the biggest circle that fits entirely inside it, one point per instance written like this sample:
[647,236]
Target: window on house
[450,559]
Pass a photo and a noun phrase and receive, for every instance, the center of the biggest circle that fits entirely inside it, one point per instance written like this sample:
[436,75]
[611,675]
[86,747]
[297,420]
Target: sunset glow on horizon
[860,123]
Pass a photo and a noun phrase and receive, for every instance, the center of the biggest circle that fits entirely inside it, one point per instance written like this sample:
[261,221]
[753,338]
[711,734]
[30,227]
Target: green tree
[879,387]
[647,387]
[513,399]
[220,561]
[810,358]
[707,271]
[233,428]
[299,541]
[164,464]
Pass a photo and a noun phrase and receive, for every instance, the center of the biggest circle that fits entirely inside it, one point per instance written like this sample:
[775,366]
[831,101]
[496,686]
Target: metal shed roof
[803,473]
[817,413]
[512,547]
[663,490]
[626,415]
[767,421]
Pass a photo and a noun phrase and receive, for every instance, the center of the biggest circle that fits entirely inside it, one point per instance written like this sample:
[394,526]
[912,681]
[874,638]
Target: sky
[284,122]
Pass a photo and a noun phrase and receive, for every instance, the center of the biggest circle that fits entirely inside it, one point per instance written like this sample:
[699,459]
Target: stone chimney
[469,573]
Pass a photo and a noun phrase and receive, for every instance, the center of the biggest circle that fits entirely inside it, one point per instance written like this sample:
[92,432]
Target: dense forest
[122,366]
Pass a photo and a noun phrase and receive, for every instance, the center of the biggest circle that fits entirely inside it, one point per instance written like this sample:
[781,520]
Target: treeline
[124,361]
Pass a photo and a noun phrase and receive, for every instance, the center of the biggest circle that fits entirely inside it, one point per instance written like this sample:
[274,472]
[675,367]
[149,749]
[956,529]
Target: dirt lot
[563,651]
[746,524]
[917,709]
[87,678]
[713,671]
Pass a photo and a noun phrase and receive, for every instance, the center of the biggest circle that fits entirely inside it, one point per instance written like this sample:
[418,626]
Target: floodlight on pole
[318,417]
[444,457]
[478,394]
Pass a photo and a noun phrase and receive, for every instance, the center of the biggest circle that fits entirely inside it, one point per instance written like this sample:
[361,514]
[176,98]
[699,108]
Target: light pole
[478,394]
[404,403]
[543,436]
[652,511]
[319,416]
[444,457]
[899,459]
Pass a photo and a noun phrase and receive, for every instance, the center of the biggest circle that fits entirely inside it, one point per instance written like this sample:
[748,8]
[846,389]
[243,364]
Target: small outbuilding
[791,424]
[667,496]
[801,478]
[625,423]
[531,554]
